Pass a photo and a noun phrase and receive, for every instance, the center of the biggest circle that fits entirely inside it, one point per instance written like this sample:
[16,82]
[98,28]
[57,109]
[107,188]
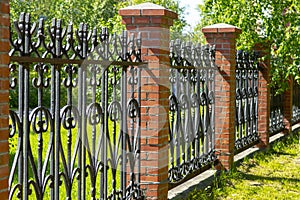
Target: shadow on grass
[252,177]
[283,153]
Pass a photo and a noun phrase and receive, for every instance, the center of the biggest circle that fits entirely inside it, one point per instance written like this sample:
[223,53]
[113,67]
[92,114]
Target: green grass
[273,174]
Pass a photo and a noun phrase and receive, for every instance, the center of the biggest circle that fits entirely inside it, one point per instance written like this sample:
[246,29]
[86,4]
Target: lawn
[271,174]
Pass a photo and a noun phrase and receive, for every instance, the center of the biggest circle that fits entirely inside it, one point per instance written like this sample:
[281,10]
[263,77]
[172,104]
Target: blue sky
[192,14]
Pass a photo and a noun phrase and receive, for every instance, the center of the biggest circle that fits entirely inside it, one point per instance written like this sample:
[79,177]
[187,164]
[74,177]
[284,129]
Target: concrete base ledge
[206,178]
[249,152]
[199,182]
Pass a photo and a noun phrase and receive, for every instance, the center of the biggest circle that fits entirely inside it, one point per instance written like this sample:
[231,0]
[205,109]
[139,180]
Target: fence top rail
[61,61]
[36,40]
[184,55]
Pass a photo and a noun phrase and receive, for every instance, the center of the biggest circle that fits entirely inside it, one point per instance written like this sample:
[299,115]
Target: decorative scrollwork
[172,76]
[246,99]
[13,80]
[211,97]
[86,128]
[133,191]
[63,42]
[184,102]
[194,100]
[94,113]
[276,112]
[70,81]
[187,54]
[133,79]
[40,118]
[114,110]
[40,82]
[191,105]
[296,102]
[114,80]
[69,116]
[15,123]
[133,108]
[173,104]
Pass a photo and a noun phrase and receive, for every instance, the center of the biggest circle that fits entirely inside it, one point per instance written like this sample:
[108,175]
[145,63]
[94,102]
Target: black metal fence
[246,100]
[75,132]
[296,103]
[191,110]
[276,113]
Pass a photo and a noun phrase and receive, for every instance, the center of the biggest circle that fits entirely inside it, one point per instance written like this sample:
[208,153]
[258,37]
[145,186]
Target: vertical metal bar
[207,105]
[57,131]
[106,131]
[131,139]
[138,174]
[103,151]
[40,136]
[252,96]
[198,113]
[124,129]
[189,130]
[94,131]
[183,123]
[178,121]
[105,117]
[203,112]
[213,106]
[79,134]
[211,110]
[26,130]
[69,102]
[241,104]
[26,125]
[52,108]
[21,132]
[193,115]
[58,45]
[84,45]
[84,131]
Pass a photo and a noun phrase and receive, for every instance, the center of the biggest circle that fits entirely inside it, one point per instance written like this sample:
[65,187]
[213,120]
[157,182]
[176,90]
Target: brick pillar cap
[221,28]
[147,9]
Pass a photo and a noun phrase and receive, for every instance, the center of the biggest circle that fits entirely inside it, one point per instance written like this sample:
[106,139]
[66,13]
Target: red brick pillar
[153,22]
[224,37]
[4,100]
[288,107]
[264,100]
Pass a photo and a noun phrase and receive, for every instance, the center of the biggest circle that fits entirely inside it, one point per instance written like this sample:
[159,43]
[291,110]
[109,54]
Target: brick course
[4,97]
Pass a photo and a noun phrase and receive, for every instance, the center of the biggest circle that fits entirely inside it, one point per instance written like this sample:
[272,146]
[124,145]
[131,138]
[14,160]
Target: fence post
[4,97]
[224,37]
[153,22]
[264,92]
[288,106]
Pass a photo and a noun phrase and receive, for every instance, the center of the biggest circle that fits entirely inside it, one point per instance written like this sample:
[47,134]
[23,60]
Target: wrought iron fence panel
[296,103]
[79,137]
[276,112]
[246,100]
[191,139]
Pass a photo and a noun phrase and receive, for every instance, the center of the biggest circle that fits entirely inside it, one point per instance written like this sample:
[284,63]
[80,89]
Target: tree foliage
[96,13]
[273,21]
